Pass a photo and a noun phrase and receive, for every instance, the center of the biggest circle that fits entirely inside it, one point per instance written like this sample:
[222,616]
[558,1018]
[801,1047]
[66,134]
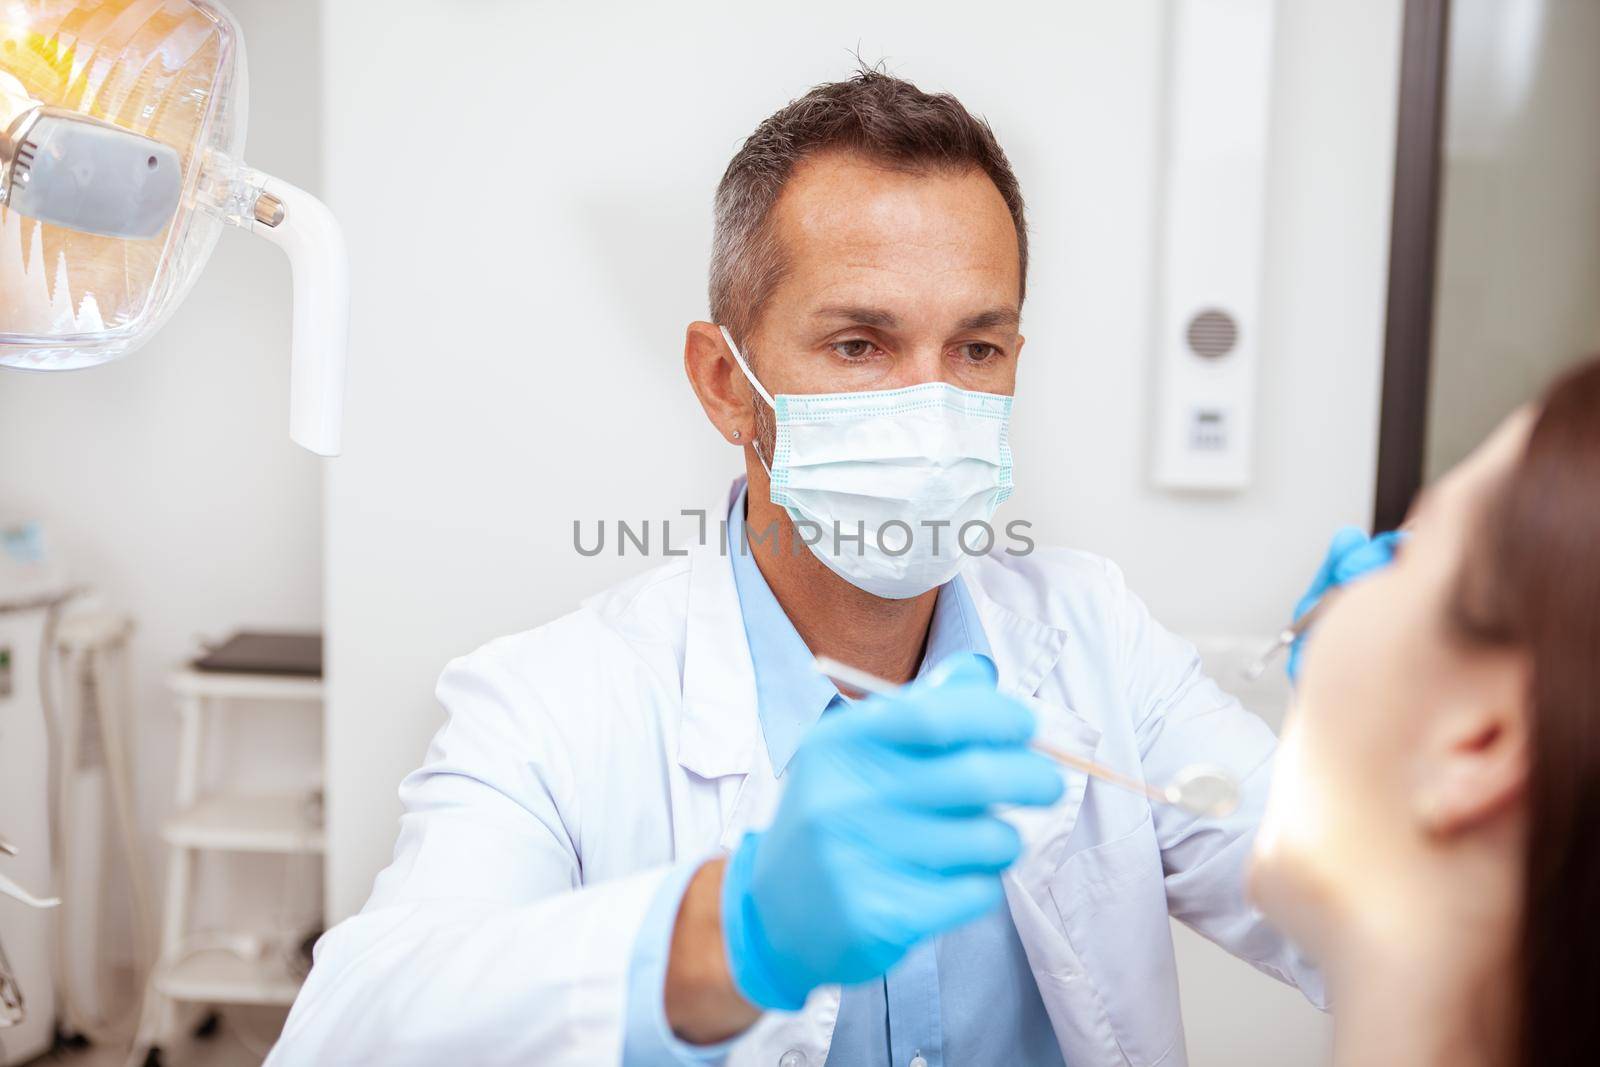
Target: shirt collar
[790,695]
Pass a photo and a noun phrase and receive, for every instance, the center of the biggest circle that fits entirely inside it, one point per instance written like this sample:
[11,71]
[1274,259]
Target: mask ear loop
[738,358]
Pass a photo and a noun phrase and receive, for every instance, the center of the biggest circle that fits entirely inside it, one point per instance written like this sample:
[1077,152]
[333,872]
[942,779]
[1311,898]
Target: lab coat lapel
[718,730]
[1025,651]
[720,733]
[719,739]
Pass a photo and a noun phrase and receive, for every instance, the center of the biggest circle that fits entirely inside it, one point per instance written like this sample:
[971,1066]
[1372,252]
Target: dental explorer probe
[1297,629]
[1199,790]
[1286,638]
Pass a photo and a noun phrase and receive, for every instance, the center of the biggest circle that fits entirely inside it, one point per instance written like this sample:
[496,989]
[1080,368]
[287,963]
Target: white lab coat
[582,759]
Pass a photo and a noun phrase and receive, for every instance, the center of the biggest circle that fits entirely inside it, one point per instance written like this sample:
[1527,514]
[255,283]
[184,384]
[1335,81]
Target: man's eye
[978,352]
[856,348]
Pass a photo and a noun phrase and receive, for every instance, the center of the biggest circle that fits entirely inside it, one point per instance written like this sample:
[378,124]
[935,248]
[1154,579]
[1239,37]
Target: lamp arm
[312,238]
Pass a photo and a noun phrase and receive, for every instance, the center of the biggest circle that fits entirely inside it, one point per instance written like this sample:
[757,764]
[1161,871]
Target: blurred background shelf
[285,823]
[218,814]
[221,977]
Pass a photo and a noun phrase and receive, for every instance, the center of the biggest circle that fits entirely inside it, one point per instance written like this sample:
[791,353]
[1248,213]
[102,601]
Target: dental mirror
[1207,791]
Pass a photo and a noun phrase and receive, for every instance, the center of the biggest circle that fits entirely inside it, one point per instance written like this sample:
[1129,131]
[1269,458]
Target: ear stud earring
[737,434]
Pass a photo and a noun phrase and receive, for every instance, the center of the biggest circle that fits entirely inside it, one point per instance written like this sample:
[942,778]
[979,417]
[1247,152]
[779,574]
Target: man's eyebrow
[987,320]
[866,316]
[863,316]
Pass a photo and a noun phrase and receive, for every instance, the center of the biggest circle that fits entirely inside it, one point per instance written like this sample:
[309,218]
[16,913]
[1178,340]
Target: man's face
[894,278]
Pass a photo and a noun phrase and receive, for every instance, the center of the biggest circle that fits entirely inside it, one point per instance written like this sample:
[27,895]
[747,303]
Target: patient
[1433,836]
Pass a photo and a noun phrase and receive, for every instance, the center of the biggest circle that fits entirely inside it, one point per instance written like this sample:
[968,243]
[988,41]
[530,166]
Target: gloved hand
[885,835]
[1351,555]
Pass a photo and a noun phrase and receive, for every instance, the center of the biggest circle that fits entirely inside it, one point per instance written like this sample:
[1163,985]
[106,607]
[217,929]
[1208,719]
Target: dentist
[651,833]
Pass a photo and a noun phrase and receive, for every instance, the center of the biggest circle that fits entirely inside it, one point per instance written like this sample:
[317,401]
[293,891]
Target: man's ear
[1475,755]
[722,389]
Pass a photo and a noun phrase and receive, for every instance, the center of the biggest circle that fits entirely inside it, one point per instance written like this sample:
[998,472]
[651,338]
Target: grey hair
[874,113]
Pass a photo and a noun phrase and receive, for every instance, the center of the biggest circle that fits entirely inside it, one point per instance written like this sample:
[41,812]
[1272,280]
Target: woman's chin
[1284,882]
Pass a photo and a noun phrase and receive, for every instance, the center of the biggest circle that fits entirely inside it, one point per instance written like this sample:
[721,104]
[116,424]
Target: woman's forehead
[1469,483]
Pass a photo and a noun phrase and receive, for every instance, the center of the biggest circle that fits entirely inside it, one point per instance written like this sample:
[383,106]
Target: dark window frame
[1413,260]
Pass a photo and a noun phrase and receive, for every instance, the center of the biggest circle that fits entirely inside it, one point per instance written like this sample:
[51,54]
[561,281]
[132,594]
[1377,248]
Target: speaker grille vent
[1213,333]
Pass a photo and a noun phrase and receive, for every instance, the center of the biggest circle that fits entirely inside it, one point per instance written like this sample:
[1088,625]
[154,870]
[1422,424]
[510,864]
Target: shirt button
[918,1061]
[795,1058]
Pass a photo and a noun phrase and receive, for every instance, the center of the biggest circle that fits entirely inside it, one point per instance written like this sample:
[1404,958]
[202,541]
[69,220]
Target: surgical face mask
[121,128]
[881,484]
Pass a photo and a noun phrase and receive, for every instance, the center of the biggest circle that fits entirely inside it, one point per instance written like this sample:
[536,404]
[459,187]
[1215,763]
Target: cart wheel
[152,1058]
[208,1026]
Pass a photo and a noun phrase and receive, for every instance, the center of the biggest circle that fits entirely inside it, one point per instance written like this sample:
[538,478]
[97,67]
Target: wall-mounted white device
[1209,316]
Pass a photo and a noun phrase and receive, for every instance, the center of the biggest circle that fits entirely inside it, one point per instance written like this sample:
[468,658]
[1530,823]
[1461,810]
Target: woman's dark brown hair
[1534,582]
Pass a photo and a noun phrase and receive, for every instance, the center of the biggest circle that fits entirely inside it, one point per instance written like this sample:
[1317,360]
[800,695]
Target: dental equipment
[121,128]
[16,892]
[1287,637]
[13,1009]
[1199,790]
[1388,543]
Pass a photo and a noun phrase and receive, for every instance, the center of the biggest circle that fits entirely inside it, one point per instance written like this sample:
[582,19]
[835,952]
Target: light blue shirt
[967,997]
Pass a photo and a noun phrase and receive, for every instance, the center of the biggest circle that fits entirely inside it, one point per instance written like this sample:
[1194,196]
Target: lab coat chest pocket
[1112,902]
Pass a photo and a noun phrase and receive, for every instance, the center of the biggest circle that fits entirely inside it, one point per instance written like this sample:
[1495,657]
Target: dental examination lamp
[121,128]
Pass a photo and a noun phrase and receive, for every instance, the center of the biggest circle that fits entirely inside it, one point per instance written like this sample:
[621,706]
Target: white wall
[527,192]
[167,481]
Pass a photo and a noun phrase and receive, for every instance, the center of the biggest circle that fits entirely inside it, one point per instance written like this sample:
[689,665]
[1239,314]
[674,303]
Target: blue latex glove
[1351,555]
[885,835]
